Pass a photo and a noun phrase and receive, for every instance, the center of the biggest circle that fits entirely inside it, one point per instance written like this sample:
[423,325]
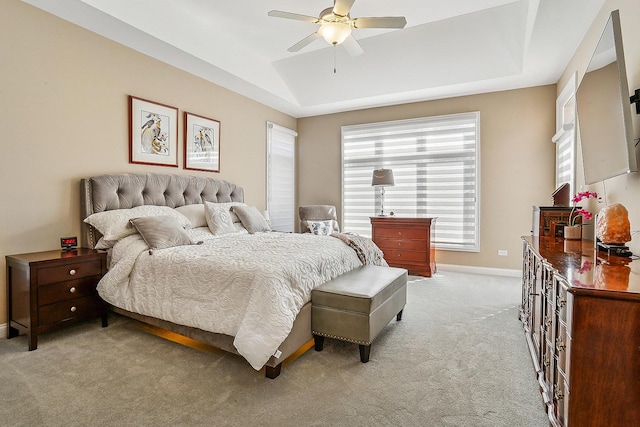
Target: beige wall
[64,116]
[517,163]
[625,188]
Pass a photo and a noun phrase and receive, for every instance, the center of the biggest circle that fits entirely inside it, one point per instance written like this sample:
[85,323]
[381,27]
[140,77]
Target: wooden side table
[52,289]
[406,242]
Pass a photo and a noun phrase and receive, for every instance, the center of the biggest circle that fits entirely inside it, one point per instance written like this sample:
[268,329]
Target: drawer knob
[72,290]
[73,309]
[72,272]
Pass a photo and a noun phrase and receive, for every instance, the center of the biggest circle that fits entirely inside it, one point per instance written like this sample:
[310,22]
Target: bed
[243,292]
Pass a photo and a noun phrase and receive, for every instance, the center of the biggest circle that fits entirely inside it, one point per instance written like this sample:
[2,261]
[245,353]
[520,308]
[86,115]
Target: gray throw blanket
[367,251]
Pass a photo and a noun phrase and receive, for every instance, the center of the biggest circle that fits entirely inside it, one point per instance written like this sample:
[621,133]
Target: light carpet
[457,358]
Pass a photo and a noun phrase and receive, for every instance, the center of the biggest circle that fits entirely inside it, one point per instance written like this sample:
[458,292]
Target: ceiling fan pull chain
[334,58]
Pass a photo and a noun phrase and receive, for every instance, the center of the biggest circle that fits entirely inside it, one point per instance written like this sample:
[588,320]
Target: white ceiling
[448,48]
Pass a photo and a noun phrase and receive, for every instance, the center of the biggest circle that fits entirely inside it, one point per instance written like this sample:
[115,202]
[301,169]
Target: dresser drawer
[400,256]
[67,290]
[401,245]
[70,309]
[415,233]
[69,271]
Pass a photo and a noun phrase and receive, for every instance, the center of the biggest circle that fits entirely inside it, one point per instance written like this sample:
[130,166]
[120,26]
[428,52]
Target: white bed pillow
[321,228]
[219,218]
[114,225]
[251,218]
[195,213]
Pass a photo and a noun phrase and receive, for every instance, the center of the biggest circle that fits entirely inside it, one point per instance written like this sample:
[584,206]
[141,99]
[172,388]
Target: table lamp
[382,178]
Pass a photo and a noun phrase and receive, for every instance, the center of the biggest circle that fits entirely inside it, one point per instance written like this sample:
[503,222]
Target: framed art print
[153,133]
[201,143]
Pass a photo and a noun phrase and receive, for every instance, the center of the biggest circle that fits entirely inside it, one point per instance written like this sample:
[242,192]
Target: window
[565,136]
[281,177]
[435,163]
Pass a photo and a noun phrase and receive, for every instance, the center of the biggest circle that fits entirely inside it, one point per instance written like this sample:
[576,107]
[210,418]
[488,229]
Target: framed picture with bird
[201,143]
[153,133]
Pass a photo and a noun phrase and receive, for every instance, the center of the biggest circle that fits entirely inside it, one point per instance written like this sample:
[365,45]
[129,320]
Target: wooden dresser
[406,242]
[581,315]
[47,290]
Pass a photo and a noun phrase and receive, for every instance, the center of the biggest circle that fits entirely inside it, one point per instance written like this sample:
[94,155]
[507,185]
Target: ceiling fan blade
[342,7]
[296,16]
[352,46]
[381,22]
[304,42]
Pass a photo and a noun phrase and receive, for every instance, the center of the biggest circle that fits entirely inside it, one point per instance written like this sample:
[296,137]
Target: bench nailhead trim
[341,338]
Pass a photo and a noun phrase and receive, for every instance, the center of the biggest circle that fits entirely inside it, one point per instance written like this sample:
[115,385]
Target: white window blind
[435,163]
[565,136]
[281,177]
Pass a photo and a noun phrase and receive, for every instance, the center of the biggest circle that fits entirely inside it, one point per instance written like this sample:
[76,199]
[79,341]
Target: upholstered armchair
[318,219]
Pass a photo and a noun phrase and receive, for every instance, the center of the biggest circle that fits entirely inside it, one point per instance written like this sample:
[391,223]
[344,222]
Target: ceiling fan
[336,25]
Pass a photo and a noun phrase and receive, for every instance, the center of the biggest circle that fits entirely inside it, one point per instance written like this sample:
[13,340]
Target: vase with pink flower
[573,231]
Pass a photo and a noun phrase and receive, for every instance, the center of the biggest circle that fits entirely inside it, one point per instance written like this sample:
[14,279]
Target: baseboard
[480,270]
[3,330]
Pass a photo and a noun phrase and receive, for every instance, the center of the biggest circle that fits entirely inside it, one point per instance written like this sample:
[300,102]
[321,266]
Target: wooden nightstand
[48,290]
[406,242]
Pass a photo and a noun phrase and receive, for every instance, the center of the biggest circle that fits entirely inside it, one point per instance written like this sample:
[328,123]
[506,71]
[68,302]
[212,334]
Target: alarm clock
[68,243]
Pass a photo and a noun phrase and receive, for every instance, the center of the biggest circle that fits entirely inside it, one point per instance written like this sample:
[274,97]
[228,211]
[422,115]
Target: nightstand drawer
[69,272]
[84,307]
[418,234]
[401,245]
[392,255]
[67,290]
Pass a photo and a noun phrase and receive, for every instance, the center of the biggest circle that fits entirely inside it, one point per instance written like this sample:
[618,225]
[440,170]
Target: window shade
[281,177]
[436,169]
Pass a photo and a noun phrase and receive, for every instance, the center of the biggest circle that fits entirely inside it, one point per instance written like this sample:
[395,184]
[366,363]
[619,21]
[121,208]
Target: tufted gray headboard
[123,191]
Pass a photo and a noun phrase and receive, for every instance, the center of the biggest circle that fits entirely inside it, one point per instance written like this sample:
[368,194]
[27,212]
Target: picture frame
[201,143]
[153,133]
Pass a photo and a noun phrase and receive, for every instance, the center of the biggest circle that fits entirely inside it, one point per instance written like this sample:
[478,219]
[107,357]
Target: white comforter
[248,286]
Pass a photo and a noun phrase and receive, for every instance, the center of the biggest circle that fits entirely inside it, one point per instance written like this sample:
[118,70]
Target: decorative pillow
[161,232]
[321,228]
[219,218]
[114,225]
[251,218]
[228,206]
[195,214]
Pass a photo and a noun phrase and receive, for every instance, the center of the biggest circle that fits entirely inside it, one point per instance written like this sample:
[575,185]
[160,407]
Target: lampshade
[382,177]
[335,32]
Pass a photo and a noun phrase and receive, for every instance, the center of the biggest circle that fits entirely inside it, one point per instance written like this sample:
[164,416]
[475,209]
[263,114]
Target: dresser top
[51,256]
[588,269]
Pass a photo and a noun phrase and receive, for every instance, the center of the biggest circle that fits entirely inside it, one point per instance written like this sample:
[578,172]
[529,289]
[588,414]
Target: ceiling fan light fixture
[335,32]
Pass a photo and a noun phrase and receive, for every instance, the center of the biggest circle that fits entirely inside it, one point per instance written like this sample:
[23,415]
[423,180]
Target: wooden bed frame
[123,191]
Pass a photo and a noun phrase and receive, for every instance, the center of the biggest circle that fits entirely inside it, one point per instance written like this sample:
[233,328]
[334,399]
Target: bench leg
[399,315]
[272,372]
[364,352]
[318,342]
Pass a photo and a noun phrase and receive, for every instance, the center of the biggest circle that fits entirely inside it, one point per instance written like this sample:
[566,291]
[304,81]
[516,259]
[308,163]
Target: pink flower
[584,195]
[585,214]
[586,266]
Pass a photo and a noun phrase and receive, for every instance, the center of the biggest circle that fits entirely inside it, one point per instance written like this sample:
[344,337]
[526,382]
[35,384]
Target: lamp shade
[334,32]
[382,177]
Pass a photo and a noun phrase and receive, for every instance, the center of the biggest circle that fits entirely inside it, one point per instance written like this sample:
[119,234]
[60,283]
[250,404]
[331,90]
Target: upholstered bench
[356,306]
